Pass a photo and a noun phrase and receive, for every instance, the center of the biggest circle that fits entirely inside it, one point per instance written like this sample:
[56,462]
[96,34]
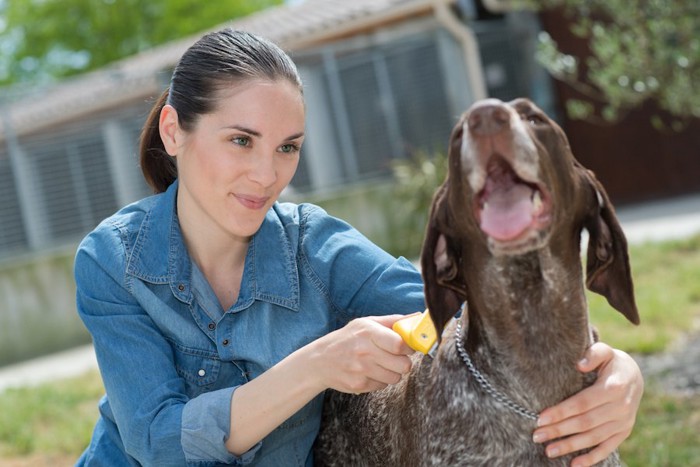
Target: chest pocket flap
[197,367]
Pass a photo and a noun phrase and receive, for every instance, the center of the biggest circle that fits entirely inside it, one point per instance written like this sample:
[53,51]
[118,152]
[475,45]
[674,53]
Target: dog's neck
[527,315]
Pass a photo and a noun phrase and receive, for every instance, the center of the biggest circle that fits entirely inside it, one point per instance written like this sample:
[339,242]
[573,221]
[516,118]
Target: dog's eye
[533,119]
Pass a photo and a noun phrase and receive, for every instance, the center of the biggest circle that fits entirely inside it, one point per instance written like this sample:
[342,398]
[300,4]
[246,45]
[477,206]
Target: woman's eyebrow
[245,130]
[258,134]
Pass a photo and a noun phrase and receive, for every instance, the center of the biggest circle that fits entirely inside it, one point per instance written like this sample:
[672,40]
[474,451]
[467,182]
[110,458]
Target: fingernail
[543,420]
[539,437]
[583,362]
[552,452]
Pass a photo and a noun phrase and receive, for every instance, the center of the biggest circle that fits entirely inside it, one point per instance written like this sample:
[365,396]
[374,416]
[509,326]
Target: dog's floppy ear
[608,270]
[440,268]
[440,257]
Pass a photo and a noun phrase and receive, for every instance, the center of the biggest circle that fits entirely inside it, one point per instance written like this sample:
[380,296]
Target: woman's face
[236,161]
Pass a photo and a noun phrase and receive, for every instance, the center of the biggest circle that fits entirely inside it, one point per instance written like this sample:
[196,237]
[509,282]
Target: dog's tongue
[507,210]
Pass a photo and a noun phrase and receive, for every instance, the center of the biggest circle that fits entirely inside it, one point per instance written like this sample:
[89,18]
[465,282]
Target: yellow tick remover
[418,332]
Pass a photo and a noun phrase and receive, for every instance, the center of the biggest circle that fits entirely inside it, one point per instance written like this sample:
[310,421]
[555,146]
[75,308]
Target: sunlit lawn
[55,419]
[667,432]
[51,424]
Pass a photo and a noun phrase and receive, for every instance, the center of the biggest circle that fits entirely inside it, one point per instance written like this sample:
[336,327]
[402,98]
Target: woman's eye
[241,140]
[289,148]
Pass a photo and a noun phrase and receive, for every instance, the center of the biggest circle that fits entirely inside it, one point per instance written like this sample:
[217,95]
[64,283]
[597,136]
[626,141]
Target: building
[383,80]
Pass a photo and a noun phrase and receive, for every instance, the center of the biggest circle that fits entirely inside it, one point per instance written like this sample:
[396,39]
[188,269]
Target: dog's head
[512,184]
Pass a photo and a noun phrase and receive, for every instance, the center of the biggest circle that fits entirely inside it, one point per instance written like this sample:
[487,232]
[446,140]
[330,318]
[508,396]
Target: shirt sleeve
[205,423]
[361,278]
[157,422]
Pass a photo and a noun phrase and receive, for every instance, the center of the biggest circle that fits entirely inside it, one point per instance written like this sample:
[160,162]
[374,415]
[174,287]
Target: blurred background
[385,81]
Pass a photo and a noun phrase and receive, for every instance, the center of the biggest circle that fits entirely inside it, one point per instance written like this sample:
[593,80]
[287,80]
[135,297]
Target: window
[12,235]
[73,185]
[374,104]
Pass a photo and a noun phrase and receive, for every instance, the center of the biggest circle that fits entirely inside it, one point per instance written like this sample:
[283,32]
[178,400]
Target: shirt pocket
[198,368]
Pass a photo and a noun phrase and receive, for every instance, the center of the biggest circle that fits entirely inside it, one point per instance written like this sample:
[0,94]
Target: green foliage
[44,39]
[417,179]
[640,50]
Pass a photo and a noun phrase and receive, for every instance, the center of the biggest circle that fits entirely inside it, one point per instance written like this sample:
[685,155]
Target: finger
[611,390]
[595,356]
[580,439]
[387,320]
[365,385]
[389,341]
[384,376]
[372,379]
[601,452]
[605,415]
[399,364]
[385,367]
[574,406]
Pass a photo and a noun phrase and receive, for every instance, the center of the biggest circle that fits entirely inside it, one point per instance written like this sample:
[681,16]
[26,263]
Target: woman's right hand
[363,356]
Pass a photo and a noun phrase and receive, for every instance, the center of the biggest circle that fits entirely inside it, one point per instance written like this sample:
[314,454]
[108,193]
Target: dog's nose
[488,118]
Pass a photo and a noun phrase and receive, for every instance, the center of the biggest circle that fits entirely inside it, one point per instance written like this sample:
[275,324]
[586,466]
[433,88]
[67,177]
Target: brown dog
[504,239]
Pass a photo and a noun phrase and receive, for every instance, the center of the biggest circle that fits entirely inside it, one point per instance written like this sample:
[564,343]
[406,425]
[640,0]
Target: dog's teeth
[537,201]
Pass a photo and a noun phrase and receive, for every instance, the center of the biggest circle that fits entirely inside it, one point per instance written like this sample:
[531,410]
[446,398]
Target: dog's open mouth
[510,209]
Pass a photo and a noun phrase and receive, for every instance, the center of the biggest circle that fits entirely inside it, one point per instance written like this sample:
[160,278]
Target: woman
[220,316]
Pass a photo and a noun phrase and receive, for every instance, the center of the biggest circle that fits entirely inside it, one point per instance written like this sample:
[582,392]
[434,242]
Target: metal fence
[369,102]
[58,184]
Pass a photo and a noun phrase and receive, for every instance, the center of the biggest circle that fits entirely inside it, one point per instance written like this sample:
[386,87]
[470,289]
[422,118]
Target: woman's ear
[169,128]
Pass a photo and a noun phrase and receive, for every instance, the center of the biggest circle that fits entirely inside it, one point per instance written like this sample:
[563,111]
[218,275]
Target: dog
[503,243]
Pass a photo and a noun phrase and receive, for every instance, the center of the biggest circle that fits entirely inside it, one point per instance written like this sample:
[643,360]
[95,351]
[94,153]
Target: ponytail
[157,166]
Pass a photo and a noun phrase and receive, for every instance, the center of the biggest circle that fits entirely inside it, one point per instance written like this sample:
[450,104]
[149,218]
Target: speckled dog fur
[525,324]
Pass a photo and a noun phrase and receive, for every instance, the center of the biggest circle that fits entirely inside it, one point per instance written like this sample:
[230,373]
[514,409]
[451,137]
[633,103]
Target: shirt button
[181,287]
[225,342]
[212,326]
[201,372]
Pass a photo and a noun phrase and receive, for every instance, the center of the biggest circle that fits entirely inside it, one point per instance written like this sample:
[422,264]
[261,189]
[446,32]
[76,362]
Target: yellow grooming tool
[418,332]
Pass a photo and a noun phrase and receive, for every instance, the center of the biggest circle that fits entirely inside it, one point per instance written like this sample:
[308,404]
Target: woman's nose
[262,170]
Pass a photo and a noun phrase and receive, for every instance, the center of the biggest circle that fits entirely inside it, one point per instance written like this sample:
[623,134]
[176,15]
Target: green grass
[55,418]
[55,421]
[666,432]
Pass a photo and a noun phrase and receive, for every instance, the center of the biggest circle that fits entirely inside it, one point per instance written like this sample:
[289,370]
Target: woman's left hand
[600,416]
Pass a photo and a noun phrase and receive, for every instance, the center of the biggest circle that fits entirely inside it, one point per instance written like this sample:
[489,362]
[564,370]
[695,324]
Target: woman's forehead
[258,103]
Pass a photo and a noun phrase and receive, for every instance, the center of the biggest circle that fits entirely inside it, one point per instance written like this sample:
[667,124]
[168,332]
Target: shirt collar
[270,268]
[271,272]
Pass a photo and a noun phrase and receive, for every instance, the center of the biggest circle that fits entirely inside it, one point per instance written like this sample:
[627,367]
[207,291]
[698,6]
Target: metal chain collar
[483,382]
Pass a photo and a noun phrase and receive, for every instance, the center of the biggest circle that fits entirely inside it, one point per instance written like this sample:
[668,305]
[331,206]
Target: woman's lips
[252,202]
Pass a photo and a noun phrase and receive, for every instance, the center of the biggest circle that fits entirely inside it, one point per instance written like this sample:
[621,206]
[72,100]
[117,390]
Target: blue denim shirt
[171,357]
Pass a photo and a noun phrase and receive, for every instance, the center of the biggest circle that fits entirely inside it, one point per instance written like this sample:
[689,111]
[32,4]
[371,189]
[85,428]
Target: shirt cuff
[206,423]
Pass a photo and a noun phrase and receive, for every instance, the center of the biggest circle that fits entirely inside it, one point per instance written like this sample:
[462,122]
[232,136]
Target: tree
[639,50]
[45,39]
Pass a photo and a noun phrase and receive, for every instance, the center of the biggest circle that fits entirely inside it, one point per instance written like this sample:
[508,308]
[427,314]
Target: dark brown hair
[217,60]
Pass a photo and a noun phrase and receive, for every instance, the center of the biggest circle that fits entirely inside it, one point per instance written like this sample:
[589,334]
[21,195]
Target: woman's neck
[221,264]
[218,255]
